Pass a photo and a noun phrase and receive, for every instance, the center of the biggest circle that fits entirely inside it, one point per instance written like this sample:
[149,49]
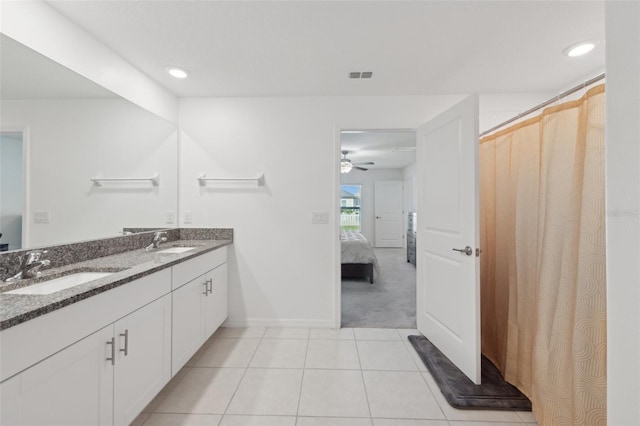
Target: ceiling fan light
[345,166]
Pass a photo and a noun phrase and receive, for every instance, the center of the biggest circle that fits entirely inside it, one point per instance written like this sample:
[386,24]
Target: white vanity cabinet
[101,360]
[199,304]
[104,378]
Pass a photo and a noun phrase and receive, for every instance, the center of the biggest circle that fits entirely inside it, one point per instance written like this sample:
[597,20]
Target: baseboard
[284,323]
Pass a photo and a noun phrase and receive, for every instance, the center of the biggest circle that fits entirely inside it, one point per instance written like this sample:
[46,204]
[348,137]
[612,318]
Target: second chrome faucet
[158,238]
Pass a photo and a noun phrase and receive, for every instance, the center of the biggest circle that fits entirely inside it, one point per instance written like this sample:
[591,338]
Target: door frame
[335,229]
[26,182]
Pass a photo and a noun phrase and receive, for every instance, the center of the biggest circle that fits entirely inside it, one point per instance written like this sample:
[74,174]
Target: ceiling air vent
[361,74]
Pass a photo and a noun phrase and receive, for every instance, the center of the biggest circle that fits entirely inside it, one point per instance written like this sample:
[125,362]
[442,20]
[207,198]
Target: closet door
[448,269]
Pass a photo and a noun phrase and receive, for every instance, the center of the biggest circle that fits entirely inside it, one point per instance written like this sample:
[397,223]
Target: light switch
[170,216]
[40,217]
[187,216]
[319,218]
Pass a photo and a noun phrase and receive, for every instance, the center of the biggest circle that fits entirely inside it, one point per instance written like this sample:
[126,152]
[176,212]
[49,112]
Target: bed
[358,258]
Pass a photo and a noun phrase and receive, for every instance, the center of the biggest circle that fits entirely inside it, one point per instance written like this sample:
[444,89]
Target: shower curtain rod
[545,103]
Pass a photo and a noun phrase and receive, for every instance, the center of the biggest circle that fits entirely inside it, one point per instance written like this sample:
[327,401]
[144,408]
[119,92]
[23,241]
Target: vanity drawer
[193,268]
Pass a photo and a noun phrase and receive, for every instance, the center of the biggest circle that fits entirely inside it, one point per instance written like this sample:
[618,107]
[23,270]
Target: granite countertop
[125,267]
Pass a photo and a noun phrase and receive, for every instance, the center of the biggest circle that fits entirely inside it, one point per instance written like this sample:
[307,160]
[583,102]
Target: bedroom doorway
[378,284]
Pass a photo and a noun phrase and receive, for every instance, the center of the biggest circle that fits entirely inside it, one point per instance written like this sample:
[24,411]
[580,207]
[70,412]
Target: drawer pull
[113,351]
[126,342]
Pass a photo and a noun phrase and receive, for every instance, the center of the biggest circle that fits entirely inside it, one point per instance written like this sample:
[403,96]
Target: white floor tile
[160,419]
[267,392]
[333,393]
[408,422]
[400,394]
[202,391]
[280,353]
[469,415]
[406,332]
[333,421]
[492,423]
[376,334]
[241,332]
[527,416]
[287,333]
[233,420]
[385,355]
[416,358]
[332,354]
[330,333]
[224,352]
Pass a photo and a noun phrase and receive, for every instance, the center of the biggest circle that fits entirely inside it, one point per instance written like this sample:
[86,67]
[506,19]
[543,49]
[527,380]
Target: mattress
[357,249]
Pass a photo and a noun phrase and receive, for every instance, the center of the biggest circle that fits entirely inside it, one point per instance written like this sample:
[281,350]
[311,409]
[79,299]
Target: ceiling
[307,48]
[380,147]
[26,74]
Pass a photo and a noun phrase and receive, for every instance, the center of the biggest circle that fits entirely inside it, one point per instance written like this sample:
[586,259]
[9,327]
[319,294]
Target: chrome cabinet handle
[467,250]
[206,288]
[126,342]
[210,287]
[113,351]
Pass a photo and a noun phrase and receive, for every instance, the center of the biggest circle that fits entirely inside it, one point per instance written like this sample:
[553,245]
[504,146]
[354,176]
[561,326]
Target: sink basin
[175,250]
[62,283]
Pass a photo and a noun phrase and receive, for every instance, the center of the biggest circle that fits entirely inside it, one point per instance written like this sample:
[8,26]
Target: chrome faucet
[158,237]
[29,264]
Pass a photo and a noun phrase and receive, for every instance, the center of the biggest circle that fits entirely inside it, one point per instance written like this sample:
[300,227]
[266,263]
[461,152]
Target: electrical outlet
[187,216]
[319,218]
[41,217]
[170,216]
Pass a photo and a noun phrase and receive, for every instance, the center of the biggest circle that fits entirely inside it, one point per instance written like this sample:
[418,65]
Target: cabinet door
[215,311]
[72,387]
[187,329]
[143,358]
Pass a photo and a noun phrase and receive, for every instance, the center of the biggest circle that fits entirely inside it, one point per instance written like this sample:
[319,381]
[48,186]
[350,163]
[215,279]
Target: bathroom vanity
[98,352]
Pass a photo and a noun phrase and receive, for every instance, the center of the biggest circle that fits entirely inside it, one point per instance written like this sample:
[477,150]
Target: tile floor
[310,377]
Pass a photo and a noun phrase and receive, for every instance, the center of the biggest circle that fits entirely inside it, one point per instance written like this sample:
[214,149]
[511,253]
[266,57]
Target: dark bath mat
[493,394]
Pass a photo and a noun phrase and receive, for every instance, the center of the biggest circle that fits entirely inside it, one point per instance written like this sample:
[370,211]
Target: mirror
[58,131]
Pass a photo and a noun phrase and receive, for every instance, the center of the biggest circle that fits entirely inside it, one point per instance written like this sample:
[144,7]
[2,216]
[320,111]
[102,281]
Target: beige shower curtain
[543,262]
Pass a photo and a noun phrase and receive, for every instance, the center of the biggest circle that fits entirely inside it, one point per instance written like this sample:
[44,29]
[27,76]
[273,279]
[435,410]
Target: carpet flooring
[390,302]
[494,393]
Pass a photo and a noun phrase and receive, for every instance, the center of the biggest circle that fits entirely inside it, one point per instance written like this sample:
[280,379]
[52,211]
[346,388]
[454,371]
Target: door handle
[210,287]
[467,250]
[112,342]
[378,217]
[206,288]
[126,342]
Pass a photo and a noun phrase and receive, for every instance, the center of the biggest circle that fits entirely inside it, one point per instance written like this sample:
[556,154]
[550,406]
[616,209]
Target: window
[350,207]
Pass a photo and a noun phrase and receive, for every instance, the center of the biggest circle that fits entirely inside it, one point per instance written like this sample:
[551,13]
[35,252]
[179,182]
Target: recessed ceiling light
[579,49]
[177,72]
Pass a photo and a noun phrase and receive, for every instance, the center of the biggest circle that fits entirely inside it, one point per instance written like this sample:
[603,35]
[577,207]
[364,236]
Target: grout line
[364,384]
[306,353]
[243,376]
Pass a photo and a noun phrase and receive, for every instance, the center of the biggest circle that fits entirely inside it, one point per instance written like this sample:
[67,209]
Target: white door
[187,331]
[71,387]
[448,280]
[215,311]
[389,231]
[143,358]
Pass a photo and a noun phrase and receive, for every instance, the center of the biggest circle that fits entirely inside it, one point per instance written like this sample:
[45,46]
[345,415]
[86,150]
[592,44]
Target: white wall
[623,212]
[74,140]
[367,203]
[38,26]
[283,269]
[11,190]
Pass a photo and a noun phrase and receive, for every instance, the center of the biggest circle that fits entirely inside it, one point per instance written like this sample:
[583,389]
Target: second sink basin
[62,283]
[175,250]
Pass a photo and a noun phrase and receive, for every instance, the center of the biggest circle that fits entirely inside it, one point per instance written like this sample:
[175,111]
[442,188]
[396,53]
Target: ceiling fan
[346,165]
